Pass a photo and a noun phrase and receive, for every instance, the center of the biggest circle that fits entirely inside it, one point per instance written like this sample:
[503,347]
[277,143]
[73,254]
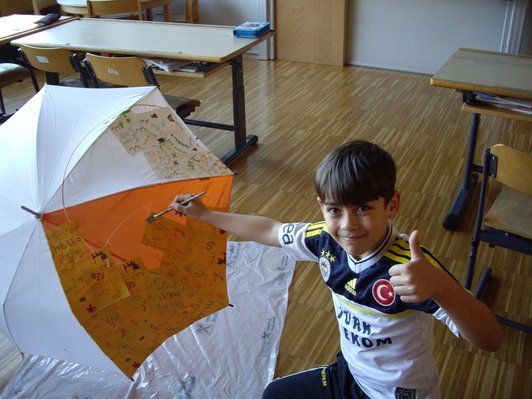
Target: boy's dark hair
[355,173]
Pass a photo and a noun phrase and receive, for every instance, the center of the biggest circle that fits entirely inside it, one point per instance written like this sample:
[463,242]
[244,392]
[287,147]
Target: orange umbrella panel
[133,284]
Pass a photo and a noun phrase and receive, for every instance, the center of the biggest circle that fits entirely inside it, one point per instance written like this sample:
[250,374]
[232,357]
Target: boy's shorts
[329,382]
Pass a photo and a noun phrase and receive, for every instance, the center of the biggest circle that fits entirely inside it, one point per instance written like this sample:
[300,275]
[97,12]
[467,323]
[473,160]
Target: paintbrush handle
[158,215]
[185,202]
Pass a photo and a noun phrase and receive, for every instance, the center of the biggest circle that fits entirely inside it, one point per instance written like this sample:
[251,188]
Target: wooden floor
[302,111]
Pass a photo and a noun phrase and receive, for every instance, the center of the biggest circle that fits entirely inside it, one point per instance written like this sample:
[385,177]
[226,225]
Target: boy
[386,288]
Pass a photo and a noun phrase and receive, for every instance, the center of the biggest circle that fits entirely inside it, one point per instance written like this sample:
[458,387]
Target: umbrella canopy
[84,277]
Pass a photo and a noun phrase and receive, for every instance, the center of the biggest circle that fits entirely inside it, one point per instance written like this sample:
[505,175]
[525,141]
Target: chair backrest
[53,61]
[40,5]
[122,71]
[77,7]
[132,71]
[48,59]
[107,7]
[514,168]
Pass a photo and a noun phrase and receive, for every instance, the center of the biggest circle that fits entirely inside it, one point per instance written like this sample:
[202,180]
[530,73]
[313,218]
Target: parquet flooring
[302,111]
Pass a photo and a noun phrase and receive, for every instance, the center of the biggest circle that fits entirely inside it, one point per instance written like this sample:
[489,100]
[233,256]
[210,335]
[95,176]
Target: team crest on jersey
[325,267]
[383,292]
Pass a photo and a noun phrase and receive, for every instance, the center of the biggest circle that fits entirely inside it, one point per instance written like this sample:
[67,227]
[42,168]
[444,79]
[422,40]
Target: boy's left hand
[418,279]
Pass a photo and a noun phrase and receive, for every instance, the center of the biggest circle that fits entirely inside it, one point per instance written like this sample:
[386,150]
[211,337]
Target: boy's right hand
[195,208]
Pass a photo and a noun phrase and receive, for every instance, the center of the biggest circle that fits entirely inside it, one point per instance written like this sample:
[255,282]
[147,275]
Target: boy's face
[359,229]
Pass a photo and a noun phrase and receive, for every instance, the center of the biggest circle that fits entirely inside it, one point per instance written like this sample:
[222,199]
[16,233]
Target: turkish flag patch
[383,292]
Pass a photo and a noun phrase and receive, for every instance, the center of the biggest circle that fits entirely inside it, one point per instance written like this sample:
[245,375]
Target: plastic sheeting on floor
[229,354]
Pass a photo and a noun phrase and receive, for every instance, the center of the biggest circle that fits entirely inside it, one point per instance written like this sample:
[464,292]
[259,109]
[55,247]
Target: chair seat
[11,73]
[72,83]
[73,3]
[176,101]
[81,3]
[183,106]
[511,212]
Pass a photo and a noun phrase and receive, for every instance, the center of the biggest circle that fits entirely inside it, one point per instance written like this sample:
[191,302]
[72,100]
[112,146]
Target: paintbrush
[152,218]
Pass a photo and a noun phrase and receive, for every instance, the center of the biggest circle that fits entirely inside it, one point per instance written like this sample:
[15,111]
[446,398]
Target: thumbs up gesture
[418,279]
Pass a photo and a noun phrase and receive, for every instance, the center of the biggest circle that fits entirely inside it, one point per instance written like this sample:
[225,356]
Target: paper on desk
[166,64]
[513,104]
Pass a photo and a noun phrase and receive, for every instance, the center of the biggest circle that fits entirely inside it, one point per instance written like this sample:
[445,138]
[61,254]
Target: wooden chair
[132,71]
[508,221]
[40,5]
[74,7]
[11,73]
[149,5]
[97,8]
[55,61]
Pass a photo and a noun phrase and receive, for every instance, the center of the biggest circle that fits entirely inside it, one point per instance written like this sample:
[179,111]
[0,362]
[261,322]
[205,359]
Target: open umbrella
[84,277]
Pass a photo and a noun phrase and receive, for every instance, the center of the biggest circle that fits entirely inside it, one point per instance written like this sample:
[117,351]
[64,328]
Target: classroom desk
[208,43]
[471,71]
[14,26]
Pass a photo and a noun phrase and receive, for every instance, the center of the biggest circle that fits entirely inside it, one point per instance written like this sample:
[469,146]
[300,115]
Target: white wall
[408,35]
[218,12]
[222,12]
[228,12]
[420,35]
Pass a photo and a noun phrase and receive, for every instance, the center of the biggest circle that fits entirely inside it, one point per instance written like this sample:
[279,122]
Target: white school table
[499,74]
[206,43]
[18,25]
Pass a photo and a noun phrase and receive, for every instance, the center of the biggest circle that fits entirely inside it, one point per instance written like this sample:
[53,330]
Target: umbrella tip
[151,219]
[38,215]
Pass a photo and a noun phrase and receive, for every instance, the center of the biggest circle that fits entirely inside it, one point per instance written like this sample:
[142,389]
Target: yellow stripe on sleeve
[400,252]
[315,229]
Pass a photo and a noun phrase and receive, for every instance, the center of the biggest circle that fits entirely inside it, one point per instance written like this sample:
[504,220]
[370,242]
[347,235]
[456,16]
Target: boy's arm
[253,228]
[419,280]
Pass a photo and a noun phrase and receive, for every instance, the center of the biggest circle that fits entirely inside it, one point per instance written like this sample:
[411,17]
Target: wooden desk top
[145,38]
[489,72]
[15,26]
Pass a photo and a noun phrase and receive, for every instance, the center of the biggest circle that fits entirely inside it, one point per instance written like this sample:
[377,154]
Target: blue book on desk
[252,29]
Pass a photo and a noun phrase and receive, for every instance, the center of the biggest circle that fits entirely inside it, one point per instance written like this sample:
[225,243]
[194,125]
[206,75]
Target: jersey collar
[359,265]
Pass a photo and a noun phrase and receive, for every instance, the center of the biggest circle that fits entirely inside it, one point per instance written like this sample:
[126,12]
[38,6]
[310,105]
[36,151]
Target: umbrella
[84,277]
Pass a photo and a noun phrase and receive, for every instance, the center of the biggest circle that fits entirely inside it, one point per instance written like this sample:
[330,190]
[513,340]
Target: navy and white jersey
[387,343]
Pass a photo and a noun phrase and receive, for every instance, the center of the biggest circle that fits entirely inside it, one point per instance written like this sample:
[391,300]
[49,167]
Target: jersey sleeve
[292,238]
[445,319]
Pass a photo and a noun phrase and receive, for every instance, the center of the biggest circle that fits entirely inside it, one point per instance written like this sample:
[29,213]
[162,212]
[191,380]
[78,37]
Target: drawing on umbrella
[89,167]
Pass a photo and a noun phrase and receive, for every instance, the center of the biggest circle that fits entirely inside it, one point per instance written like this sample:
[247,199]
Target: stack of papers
[513,104]
[166,64]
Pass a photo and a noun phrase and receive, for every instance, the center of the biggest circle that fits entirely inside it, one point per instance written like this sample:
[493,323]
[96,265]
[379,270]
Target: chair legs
[11,73]
[491,237]
[484,279]
[483,282]
[471,264]
[2,106]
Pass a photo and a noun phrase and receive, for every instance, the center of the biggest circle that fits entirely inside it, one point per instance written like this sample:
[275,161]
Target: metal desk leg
[242,142]
[453,216]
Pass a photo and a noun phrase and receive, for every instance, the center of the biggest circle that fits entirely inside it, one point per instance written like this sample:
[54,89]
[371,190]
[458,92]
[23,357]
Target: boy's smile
[359,229]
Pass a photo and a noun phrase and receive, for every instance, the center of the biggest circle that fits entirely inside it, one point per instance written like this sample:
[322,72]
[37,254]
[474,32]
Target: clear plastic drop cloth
[229,354]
